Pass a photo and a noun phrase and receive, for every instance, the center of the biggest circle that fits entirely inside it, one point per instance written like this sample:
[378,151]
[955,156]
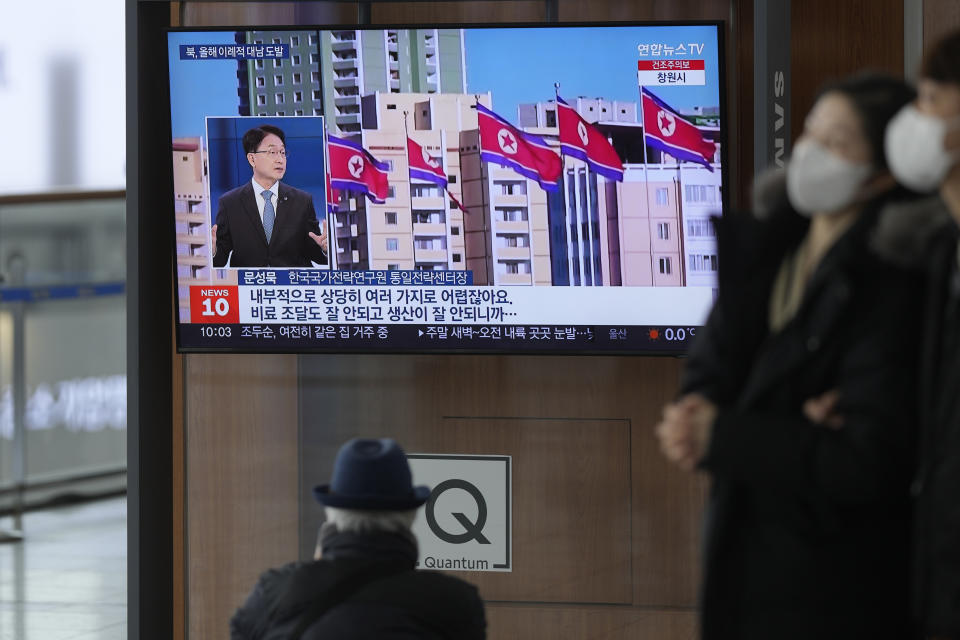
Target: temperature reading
[672,334]
[679,334]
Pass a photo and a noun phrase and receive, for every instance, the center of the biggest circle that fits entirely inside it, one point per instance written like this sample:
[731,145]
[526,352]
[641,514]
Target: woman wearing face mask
[808,522]
[923,146]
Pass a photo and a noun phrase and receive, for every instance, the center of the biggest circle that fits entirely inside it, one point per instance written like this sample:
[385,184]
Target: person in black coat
[922,145]
[363,583]
[263,222]
[807,528]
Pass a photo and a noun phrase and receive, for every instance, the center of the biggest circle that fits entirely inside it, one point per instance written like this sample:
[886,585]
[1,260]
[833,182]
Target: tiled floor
[68,579]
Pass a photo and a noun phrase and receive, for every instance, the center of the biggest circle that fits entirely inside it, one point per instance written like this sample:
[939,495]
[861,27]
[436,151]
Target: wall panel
[486,11]
[832,39]
[507,622]
[241,480]
[939,18]
[600,519]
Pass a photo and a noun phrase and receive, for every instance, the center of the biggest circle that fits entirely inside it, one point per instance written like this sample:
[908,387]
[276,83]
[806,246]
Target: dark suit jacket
[240,230]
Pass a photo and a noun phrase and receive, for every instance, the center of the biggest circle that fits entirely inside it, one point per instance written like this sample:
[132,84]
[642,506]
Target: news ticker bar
[416,338]
[452,305]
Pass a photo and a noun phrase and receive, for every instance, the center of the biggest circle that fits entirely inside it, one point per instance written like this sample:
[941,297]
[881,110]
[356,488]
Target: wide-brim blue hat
[371,475]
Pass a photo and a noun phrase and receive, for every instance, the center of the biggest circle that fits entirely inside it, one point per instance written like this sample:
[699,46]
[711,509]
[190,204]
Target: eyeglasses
[273,153]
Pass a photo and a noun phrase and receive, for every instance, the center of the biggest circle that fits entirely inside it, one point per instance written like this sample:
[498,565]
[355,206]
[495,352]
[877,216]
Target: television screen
[492,188]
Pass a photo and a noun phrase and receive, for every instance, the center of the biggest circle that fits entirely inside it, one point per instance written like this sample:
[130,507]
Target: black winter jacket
[395,601]
[807,528]
[937,487]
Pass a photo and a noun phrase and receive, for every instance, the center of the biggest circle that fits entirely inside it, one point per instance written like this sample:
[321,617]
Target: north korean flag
[353,168]
[525,153]
[457,203]
[423,166]
[580,139]
[667,131]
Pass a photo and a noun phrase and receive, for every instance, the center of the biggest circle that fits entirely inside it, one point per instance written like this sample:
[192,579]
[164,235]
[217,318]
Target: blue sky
[520,65]
[516,65]
[200,88]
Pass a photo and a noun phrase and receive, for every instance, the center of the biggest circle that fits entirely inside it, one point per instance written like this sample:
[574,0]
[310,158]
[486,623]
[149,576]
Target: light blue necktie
[269,215]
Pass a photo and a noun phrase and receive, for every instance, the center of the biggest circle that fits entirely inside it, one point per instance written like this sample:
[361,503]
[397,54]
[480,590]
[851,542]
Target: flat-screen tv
[446,188]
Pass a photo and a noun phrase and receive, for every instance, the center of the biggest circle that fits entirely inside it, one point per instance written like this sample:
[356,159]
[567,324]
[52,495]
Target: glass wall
[62,269]
[62,84]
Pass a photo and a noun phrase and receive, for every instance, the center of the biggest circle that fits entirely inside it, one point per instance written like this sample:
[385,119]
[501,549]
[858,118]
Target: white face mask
[914,146]
[821,182]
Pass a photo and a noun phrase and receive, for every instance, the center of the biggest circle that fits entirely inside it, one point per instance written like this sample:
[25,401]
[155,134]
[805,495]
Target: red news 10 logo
[215,305]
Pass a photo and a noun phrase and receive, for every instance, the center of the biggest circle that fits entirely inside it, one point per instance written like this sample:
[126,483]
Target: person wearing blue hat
[363,582]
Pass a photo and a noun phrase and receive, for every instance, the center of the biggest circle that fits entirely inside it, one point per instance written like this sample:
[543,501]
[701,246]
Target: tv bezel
[382,349]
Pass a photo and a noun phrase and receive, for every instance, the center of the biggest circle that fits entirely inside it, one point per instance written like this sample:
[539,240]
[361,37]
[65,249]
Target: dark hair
[253,137]
[941,63]
[876,97]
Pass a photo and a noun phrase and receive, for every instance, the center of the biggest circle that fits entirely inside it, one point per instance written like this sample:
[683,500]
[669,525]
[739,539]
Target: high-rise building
[357,63]
[503,236]
[648,212]
[419,222]
[658,226]
[328,72]
[506,227]
[654,228]
[192,218]
[544,114]
[584,216]
[284,87]
[414,228]
[583,236]
[701,199]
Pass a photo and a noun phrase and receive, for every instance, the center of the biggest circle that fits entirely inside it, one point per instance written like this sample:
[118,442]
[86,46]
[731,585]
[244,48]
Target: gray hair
[358,521]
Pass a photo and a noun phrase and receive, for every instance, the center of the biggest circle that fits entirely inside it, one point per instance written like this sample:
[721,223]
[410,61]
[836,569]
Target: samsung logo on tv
[779,142]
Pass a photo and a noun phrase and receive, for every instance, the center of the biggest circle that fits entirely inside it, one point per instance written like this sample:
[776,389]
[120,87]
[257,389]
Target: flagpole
[488,233]
[681,227]
[646,182]
[579,223]
[593,273]
[445,195]
[586,168]
[331,228]
[406,145]
[566,189]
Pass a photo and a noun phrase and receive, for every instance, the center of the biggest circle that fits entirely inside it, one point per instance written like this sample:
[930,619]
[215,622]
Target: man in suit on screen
[264,223]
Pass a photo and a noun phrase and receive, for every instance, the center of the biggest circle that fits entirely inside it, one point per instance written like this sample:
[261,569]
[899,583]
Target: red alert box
[216,304]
